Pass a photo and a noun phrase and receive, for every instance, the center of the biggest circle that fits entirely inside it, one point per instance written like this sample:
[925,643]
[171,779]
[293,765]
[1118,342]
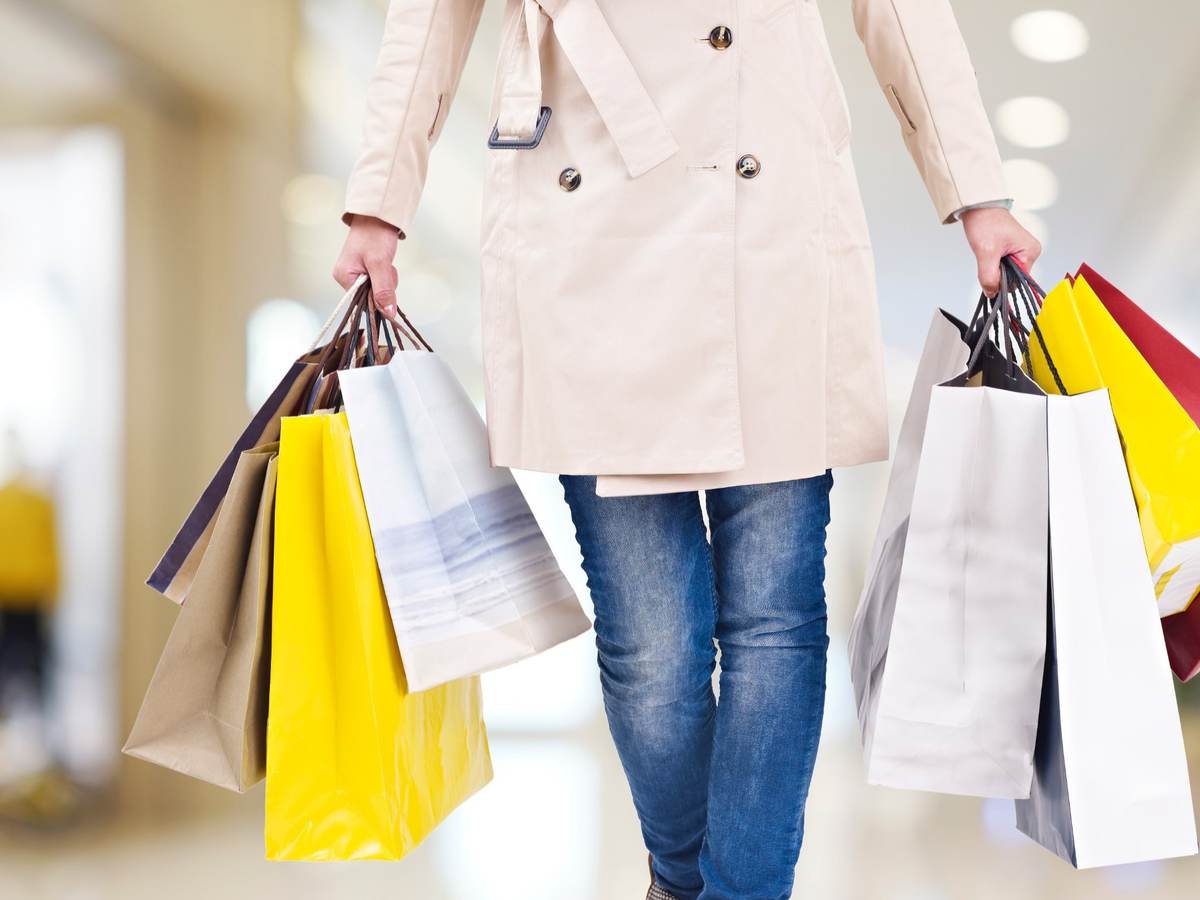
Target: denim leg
[768,545]
[649,569]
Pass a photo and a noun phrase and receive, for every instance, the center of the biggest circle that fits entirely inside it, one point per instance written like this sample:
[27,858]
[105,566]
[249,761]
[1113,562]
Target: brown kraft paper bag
[205,712]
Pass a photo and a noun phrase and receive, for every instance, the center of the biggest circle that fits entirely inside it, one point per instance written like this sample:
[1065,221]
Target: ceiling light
[1050,35]
[1033,185]
[1033,122]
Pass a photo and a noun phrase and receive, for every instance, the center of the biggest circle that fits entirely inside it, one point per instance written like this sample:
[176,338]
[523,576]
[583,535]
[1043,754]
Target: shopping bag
[205,712]
[358,765]
[1179,370]
[958,697]
[1111,780]
[28,546]
[470,580]
[1162,443]
[945,355]
[1181,632]
[175,572]
[1176,365]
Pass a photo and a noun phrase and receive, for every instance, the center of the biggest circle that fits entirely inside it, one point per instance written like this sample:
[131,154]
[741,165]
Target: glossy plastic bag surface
[357,766]
[1179,369]
[1162,443]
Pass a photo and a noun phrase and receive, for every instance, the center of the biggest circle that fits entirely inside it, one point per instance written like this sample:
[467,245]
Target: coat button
[569,179]
[720,37]
[748,166]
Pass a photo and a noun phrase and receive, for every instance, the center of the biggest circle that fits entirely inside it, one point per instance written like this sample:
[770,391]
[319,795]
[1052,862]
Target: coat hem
[619,466]
[628,486]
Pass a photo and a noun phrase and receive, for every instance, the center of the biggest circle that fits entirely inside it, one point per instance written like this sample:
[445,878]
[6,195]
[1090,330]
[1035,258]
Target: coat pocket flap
[897,105]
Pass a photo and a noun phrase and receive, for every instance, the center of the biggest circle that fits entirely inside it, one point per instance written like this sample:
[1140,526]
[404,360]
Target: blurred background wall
[171,174]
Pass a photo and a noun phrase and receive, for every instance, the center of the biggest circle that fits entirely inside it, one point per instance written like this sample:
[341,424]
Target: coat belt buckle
[498,143]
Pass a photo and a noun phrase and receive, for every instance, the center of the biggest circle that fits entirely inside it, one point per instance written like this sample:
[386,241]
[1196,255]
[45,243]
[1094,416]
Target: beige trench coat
[678,288]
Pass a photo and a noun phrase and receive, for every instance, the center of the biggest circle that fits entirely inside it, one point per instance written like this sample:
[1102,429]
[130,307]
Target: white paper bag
[959,694]
[944,356]
[1111,783]
[470,580]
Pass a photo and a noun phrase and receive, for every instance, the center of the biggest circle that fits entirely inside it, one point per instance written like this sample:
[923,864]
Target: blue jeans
[719,788]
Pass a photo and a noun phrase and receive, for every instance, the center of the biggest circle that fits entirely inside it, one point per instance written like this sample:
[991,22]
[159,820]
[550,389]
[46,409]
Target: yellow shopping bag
[28,547]
[1162,443]
[357,767]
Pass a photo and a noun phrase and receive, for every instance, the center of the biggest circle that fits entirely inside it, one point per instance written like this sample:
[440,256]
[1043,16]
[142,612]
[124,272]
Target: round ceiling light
[1033,185]
[1050,35]
[1034,122]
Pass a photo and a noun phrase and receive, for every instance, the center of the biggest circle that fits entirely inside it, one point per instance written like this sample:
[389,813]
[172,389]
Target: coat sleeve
[922,64]
[425,45]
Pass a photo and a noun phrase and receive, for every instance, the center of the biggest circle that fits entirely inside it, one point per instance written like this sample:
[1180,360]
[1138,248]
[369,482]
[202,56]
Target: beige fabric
[678,323]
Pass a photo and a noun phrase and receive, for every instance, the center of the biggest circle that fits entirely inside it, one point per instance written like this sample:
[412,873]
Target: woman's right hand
[370,250]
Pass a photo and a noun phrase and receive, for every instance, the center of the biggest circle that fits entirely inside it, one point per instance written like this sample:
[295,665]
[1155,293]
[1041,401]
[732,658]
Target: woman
[678,296]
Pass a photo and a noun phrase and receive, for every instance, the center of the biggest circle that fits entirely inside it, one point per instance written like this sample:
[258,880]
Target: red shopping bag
[1179,369]
[1182,633]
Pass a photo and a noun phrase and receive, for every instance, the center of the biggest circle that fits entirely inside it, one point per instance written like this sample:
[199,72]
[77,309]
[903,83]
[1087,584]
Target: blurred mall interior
[171,177]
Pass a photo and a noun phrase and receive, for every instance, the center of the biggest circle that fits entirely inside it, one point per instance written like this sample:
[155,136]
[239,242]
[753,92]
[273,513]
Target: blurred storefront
[143,149]
[171,180]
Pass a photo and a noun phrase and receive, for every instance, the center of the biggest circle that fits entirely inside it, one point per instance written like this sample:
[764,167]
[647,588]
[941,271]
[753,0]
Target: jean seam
[712,562]
[712,582]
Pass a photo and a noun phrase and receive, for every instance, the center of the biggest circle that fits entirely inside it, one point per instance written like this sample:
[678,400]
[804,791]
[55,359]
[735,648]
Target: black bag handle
[1032,297]
[993,316]
[998,321]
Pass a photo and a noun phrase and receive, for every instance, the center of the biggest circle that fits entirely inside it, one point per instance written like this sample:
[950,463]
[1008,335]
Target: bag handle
[341,306]
[998,320]
[344,339]
[353,344]
[400,325]
[349,321]
[993,316]
[1032,296]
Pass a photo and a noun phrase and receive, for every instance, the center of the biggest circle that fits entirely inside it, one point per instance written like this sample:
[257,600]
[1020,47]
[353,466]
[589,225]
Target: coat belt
[606,72]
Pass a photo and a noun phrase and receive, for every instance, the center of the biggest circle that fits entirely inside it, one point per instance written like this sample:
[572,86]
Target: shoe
[655,892]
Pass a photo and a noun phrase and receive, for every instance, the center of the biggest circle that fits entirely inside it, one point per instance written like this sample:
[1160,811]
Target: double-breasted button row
[570,178]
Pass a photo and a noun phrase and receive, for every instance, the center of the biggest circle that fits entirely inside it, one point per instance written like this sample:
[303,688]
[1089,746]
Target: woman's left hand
[994,233]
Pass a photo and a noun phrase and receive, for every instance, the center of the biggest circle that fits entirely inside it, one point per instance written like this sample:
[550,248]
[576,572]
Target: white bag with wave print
[471,582]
